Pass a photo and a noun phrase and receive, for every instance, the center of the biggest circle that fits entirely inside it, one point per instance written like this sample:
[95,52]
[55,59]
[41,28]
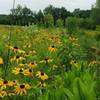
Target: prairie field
[38,63]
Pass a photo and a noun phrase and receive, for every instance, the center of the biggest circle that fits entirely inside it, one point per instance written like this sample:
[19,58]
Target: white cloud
[6,5]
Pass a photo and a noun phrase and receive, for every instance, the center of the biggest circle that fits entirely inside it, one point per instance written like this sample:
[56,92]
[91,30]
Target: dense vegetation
[50,55]
[48,64]
[50,16]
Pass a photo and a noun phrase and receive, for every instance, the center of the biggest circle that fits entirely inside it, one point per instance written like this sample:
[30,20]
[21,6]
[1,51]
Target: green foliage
[81,90]
[57,13]
[82,13]
[5,19]
[97,3]
[71,77]
[59,23]
[21,16]
[87,23]
[96,12]
[96,15]
[49,21]
[71,25]
[25,16]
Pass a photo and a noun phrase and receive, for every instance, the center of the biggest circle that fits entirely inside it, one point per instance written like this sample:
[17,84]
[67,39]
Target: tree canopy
[25,16]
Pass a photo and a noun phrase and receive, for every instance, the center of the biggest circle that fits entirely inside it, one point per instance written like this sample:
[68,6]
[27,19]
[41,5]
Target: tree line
[53,16]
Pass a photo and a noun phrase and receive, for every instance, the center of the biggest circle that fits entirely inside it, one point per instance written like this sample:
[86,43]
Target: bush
[87,23]
[96,15]
[72,25]
[59,23]
[48,20]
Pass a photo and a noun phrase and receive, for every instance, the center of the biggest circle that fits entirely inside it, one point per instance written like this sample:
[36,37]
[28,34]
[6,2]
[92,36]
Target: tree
[27,16]
[96,12]
[59,23]
[5,19]
[16,15]
[71,25]
[64,14]
[81,13]
[40,17]
[48,20]
[86,23]
[49,10]
[97,3]
[57,13]
[21,15]
[17,11]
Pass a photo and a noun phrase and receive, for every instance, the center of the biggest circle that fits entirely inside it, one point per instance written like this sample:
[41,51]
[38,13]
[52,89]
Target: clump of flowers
[16,49]
[32,65]
[46,60]
[21,89]
[43,76]
[52,48]
[17,59]
[17,71]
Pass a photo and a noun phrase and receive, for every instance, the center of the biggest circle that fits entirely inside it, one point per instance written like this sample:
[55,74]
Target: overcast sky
[35,5]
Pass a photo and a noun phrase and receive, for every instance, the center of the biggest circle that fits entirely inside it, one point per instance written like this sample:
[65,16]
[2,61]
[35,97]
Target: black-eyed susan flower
[94,62]
[17,59]
[43,76]
[33,52]
[10,94]
[32,65]
[54,67]
[1,61]
[72,39]
[3,93]
[26,55]
[27,72]
[74,63]
[17,71]
[28,46]
[46,60]
[16,49]
[52,48]
[21,51]
[21,89]
[22,65]
[13,83]
[42,84]
[4,83]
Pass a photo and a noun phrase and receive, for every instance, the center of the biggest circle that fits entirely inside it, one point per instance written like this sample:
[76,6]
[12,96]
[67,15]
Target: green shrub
[87,23]
[72,25]
[59,23]
[48,20]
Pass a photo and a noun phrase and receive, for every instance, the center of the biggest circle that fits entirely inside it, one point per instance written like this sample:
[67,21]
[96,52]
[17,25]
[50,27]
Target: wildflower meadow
[44,64]
[51,54]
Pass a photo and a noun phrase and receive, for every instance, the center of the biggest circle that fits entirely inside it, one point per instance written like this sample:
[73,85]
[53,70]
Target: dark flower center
[42,84]
[20,70]
[22,86]
[14,81]
[17,57]
[15,47]
[30,70]
[26,53]
[5,82]
[46,59]
[42,73]
[53,46]
[32,63]
[74,61]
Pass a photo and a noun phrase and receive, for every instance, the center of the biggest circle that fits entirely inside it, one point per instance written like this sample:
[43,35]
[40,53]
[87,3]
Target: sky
[35,5]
